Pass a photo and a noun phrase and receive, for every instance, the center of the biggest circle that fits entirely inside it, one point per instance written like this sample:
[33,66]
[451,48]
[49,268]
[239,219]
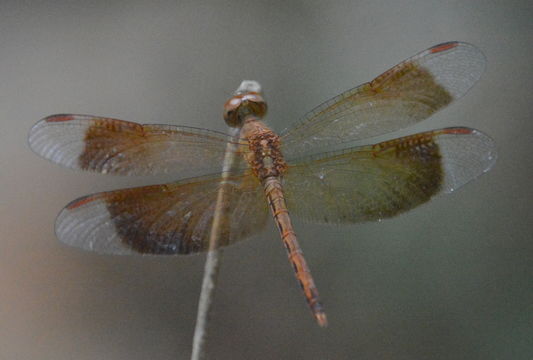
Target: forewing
[408,93]
[126,148]
[166,219]
[383,180]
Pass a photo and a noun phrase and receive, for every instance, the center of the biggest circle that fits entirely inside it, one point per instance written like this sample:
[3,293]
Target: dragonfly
[297,171]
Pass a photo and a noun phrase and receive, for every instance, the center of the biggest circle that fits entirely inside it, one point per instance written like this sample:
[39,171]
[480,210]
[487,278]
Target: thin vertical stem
[213,258]
[214,254]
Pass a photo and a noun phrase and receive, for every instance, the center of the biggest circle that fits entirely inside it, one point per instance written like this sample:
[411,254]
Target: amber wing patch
[166,219]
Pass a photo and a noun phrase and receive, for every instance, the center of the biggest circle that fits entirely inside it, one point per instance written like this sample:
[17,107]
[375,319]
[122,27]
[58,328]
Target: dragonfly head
[243,105]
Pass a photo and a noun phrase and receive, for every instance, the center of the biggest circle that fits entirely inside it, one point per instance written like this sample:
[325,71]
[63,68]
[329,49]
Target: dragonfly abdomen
[276,202]
[267,163]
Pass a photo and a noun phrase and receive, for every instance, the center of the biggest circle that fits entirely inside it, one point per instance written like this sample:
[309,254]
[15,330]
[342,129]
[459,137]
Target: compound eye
[255,104]
[231,113]
[240,106]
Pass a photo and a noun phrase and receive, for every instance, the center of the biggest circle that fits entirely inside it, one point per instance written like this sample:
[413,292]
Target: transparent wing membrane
[382,180]
[166,219]
[126,148]
[408,93]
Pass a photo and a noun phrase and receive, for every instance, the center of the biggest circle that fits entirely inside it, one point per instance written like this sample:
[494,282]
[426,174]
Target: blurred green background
[449,280]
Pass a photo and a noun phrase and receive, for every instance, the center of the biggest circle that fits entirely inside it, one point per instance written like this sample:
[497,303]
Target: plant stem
[212,263]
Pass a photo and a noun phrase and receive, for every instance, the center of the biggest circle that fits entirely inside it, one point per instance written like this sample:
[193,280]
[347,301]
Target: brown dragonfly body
[266,161]
[353,185]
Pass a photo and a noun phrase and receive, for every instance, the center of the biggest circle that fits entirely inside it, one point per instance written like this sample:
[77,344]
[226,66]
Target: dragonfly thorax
[265,157]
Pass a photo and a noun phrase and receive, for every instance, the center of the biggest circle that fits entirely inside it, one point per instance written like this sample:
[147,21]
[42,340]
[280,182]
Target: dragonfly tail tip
[322,319]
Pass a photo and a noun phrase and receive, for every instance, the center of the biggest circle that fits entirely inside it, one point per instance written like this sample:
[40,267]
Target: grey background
[449,280]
